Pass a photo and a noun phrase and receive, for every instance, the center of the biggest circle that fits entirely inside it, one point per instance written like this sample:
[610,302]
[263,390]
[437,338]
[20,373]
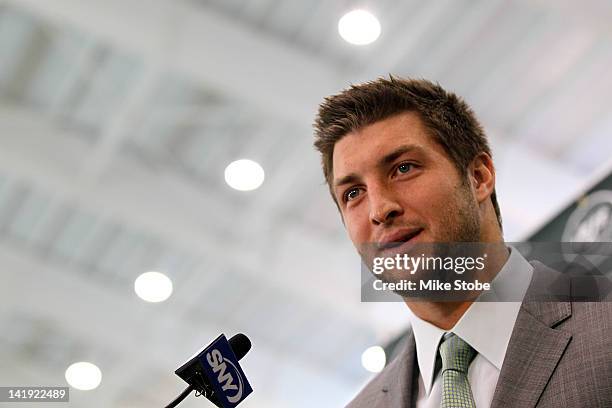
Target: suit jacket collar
[535,346]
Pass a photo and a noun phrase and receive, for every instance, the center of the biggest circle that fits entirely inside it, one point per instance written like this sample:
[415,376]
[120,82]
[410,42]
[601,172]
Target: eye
[405,167]
[351,194]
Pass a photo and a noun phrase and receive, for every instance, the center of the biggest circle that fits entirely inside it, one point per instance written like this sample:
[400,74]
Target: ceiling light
[374,359]
[83,376]
[359,27]
[153,287]
[244,175]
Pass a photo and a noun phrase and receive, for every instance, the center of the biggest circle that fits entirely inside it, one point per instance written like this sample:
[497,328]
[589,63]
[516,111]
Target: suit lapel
[398,385]
[533,353]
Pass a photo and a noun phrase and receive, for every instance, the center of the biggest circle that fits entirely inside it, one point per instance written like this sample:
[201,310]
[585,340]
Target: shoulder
[586,299]
[593,320]
[575,284]
[589,323]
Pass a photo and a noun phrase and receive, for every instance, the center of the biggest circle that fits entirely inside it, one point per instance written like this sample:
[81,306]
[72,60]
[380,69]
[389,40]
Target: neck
[441,314]
[445,315]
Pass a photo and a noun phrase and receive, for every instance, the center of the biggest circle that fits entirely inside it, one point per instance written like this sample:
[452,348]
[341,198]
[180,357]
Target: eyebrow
[382,163]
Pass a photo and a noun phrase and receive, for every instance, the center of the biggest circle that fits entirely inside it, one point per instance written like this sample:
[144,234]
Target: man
[408,163]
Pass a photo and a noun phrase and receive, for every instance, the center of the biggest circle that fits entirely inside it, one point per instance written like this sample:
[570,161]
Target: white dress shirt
[486,326]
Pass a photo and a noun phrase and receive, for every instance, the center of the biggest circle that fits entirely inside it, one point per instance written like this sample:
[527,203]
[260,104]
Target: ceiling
[119,117]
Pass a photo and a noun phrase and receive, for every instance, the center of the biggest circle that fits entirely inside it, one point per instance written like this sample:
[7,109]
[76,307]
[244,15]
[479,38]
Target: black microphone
[211,367]
[240,345]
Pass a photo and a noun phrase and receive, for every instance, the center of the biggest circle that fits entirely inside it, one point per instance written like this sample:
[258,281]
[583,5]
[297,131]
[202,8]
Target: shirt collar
[486,326]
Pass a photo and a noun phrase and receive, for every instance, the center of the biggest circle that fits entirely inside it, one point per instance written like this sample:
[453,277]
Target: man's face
[396,186]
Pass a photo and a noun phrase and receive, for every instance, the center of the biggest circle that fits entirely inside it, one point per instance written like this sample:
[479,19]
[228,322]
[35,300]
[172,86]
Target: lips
[398,238]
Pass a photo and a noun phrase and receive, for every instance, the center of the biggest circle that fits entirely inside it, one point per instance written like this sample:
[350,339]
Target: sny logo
[226,378]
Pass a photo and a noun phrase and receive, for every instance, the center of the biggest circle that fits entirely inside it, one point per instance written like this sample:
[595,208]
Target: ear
[482,176]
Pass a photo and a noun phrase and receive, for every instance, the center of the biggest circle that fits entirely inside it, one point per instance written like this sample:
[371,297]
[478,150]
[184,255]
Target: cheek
[430,200]
[356,223]
[445,207]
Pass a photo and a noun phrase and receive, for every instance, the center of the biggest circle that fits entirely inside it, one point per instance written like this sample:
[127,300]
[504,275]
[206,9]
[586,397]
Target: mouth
[397,240]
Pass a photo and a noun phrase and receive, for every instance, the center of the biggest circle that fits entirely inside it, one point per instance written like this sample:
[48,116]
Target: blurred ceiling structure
[118,118]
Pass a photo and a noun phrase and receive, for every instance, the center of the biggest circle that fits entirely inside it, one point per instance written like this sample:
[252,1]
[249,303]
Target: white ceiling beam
[209,47]
[116,130]
[33,150]
[187,216]
[406,40]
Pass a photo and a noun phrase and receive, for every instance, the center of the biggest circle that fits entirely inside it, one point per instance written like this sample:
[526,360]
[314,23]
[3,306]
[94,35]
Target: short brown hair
[450,120]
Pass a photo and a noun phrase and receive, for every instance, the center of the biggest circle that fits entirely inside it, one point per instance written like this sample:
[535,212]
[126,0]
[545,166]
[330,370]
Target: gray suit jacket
[559,355]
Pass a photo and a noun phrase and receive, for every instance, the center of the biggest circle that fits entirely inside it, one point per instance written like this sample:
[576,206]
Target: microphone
[240,345]
[215,373]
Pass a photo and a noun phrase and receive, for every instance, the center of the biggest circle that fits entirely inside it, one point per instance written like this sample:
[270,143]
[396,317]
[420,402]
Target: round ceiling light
[83,376]
[244,175]
[153,287]
[359,27]
[374,359]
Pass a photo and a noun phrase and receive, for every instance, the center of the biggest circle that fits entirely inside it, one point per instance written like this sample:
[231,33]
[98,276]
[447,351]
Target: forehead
[365,146]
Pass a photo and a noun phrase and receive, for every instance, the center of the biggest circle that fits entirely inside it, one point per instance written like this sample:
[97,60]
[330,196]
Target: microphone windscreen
[240,344]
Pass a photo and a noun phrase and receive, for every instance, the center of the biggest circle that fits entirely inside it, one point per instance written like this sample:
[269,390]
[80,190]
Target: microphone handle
[181,397]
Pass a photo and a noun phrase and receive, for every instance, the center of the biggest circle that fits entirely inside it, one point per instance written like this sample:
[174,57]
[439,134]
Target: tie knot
[456,354]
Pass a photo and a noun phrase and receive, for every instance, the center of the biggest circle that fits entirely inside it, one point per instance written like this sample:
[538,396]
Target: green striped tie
[456,357]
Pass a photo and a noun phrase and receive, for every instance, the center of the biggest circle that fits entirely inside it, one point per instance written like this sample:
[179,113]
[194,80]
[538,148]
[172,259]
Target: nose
[384,207]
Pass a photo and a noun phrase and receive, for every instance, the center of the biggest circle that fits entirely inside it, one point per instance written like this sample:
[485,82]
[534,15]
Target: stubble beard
[463,235]
[462,225]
